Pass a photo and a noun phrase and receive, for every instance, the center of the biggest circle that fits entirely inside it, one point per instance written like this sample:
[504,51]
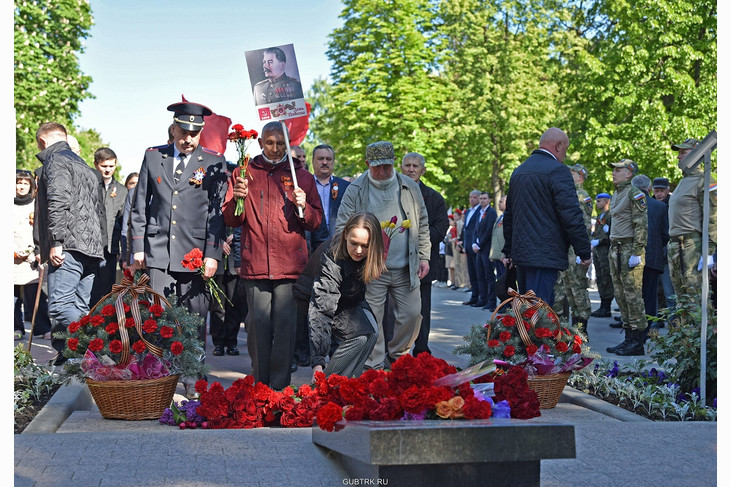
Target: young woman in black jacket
[337,305]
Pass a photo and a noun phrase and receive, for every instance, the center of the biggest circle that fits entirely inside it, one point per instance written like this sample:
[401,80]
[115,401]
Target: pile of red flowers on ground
[512,387]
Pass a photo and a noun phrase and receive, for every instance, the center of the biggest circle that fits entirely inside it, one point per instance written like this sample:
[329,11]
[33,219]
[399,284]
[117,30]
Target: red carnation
[504,336]
[528,314]
[531,349]
[543,332]
[108,310]
[74,327]
[166,332]
[149,326]
[176,348]
[112,328]
[508,320]
[578,340]
[145,303]
[96,344]
[493,343]
[72,344]
[129,322]
[561,347]
[553,318]
[509,350]
[85,320]
[126,308]
[576,348]
[414,399]
[473,408]
[328,416]
[193,260]
[115,346]
[97,320]
[139,346]
[156,310]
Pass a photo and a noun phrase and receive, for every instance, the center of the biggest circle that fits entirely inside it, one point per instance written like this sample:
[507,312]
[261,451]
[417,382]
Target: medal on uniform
[335,191]
[113,194]
[198,176]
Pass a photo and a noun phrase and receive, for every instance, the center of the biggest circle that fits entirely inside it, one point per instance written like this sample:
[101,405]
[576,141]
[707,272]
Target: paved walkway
[70,444]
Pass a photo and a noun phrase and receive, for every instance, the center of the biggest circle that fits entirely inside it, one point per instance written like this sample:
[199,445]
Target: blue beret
[603,195]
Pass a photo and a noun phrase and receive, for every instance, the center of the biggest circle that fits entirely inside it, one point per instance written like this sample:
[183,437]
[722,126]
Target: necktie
[180,167]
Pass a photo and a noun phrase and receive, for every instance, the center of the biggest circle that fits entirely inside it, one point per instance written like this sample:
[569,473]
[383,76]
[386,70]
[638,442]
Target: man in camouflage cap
[572,283]
[387,193]
[629,226]
[684,250]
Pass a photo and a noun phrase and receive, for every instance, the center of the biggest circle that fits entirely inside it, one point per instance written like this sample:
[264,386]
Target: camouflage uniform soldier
[684,249]
[573,282]
[629,226]
[601,244]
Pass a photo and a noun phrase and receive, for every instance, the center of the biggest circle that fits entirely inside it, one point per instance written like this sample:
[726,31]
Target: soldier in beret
[177,208]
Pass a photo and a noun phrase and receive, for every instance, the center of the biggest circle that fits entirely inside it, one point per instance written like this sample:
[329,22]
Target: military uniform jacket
[598,233]
[282,88]
[586,206]
[170,219]
[685,208]
[629,216]
[114,199]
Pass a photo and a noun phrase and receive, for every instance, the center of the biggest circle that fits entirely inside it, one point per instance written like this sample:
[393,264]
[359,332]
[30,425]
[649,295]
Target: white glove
[475,248]
[710,262]
[634,260]
[605,228]
[577,260]
[594,242]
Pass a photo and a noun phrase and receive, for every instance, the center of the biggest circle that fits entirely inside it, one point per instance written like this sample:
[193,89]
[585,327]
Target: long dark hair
[374,260]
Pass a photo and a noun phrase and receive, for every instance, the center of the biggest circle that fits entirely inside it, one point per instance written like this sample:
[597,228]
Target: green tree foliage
[383,84]
[639,76]
[49,84]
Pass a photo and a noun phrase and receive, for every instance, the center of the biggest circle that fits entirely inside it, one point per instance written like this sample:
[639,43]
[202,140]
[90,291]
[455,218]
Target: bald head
[556,142]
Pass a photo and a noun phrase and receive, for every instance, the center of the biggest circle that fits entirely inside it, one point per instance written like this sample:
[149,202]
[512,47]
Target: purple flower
[167,418]
[500,409]
[414,416]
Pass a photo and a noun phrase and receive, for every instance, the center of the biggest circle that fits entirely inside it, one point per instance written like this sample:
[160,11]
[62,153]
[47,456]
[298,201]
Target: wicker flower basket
[133,399]
[548,387]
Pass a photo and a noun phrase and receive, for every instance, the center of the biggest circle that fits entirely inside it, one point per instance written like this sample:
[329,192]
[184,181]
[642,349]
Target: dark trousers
[301,344]
[421,344]
[540,280]
[649,290]
[471,267]
[225,321]
[271,329]
[190,289]
[499,267]
[105,277]
[486,280]
[26,299]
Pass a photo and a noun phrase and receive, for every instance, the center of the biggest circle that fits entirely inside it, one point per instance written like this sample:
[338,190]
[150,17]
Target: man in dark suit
[177,208]
[657,237]
[414,166]
[468,234]
[330,189]
[482,247]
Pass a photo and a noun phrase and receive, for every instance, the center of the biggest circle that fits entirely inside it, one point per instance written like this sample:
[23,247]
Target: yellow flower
[384,224]
[406,224]
[391,225]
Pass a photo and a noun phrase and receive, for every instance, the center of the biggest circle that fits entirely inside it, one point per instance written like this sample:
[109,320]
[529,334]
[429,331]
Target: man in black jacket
[656,239]
[542,218]
[482,247]
[466,239]
[71,228]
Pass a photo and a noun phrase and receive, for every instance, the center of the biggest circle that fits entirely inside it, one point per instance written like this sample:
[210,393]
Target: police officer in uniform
[629,226]
[277,86]
[600,244]
[177,208]
[684,250]
[573,282]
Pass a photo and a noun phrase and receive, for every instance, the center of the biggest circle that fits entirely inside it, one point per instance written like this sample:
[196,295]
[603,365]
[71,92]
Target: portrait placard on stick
[275,83]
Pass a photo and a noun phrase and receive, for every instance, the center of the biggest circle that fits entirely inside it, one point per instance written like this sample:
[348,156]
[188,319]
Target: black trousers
[421,344]
[225,321]
[487,279]
[26,299]
[105,277]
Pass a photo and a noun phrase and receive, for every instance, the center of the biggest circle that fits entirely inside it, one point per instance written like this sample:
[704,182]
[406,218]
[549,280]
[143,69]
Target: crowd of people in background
[336,273]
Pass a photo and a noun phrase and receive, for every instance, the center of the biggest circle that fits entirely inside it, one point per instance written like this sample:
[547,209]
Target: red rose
[115,346]
[149,326]
[509,350]
[72,344]
[576,348]
[96,344]
[156,310]
[531,349]
[328,416]
[166,332]
[508,320]
[108,310]
[561,347]
[493,343]
[504,336]
[112,328]
[129,322]
[176,348]
[74,327]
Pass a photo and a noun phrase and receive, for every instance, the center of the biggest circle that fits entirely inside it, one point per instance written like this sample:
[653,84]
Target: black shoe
[294,366]
[233,351]
[478,305]
[60,360]
[602,313]
[453,287]
[470,302]
[621,345]
[634,347]
[218,351]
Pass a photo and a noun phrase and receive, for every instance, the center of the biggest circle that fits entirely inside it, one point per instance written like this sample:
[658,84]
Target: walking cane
[35,306]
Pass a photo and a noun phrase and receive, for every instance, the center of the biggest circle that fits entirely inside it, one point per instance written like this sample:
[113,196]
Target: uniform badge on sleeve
[640,200]
[198,176]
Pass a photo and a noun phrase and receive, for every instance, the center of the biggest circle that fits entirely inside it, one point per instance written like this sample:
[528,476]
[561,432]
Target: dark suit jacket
[337,189]
[469,231]
[485,226]
[657,233]
[170,219]
[438,224]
